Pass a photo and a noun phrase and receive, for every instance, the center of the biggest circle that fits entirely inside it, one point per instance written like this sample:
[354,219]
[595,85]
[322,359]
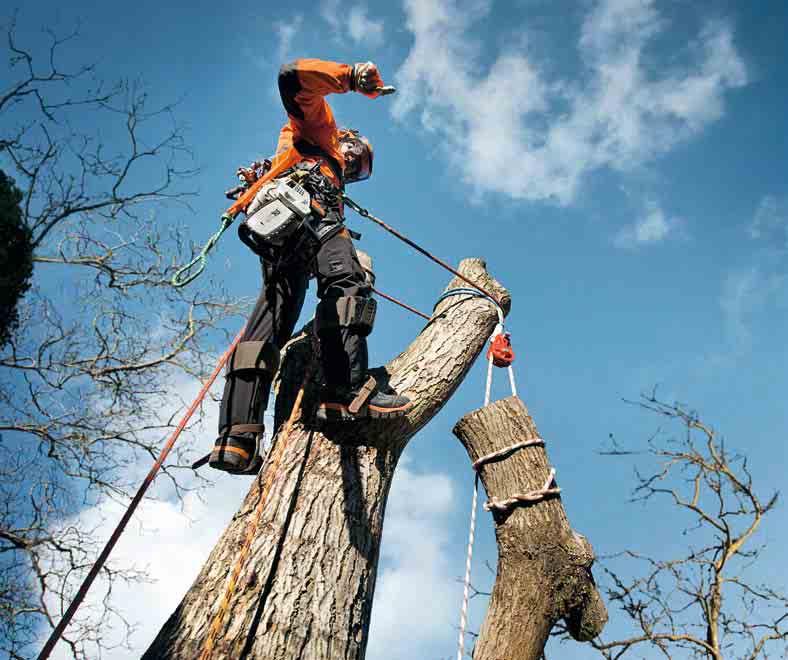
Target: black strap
[308,149]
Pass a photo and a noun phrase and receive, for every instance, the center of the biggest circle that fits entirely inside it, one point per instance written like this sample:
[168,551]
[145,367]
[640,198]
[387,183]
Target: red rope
[58,631]
[400,303]
[364,213]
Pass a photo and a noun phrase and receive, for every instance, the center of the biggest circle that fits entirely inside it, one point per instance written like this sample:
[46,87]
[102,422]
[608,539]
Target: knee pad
[356,313]
[253,359]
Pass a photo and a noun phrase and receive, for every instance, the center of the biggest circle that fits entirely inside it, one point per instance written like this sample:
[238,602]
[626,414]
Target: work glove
[367,80]
[250,174]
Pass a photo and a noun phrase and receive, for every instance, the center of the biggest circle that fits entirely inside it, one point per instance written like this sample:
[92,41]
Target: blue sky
[619,164]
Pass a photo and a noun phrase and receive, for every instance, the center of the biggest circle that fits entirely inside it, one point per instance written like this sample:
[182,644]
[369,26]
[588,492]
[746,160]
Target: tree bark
[306,590]
[544,567]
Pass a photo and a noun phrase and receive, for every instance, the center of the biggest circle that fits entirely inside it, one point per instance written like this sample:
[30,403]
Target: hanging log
[544,567]
[306,590]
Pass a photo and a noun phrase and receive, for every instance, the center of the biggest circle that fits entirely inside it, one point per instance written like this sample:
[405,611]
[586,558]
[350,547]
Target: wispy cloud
[168,539]
[620,113]
[363,29]
[353,23]
[416,596]
[286,34]
[770,222]
[653,226]
[742,294]
[749,291]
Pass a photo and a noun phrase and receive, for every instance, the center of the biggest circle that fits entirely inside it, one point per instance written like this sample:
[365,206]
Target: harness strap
[244,428]
[363,394]
[308,149]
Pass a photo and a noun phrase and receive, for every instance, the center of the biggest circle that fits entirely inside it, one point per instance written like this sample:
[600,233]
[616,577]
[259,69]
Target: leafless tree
[703,603]
[88,380]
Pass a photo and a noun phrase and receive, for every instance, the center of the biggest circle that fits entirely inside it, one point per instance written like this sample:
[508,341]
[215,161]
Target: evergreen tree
[16,256]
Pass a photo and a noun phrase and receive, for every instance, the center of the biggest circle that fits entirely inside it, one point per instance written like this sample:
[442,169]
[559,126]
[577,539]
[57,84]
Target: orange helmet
[358,155]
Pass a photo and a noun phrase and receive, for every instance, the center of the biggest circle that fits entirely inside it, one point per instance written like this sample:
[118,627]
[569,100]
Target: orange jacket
[303,85]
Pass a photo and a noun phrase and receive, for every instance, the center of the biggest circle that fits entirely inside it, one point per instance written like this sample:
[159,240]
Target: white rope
[471,534]
[488,387]
[533,496]
[503,453]
[511,380]
[467,586]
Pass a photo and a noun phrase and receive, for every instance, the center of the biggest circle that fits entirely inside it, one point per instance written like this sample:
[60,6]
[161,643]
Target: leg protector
[249,374]
[356,313]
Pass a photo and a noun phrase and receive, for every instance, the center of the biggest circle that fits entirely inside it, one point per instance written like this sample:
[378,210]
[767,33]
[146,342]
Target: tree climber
[326,158]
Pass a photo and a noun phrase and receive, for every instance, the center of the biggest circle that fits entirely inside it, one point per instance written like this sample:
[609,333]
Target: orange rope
[60,628]
[251,531]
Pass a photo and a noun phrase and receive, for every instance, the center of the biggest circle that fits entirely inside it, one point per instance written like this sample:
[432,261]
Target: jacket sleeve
[304,83]
[285,138]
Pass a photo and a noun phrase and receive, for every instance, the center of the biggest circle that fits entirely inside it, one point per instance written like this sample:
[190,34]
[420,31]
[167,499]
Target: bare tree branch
[104,343]
[702,603]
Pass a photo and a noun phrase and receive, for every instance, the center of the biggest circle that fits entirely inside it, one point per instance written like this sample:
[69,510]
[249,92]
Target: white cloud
[331,12]
[652,227]
[167,540]
[417,597]
[170,545]
[762,287]
[510,130]
[742,293]
[771,221]
[354,23]
[362,29]
[285,34]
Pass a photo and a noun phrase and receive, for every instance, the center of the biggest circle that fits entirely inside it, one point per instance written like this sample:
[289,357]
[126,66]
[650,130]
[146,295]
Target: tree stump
[544,567]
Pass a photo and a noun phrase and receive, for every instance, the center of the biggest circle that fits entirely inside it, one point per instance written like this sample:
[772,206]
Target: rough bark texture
[544,568]
[306,590]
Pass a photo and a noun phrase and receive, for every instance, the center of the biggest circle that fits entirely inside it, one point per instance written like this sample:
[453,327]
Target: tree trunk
[306,589]
[544,568]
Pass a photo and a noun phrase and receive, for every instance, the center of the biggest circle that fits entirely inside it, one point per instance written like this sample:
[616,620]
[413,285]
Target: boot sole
[234,460]
[338,412]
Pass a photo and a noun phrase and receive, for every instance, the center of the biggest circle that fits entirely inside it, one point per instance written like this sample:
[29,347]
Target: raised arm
[304,83]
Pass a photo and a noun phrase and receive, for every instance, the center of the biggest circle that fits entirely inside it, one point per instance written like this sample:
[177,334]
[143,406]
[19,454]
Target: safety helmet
[358,155]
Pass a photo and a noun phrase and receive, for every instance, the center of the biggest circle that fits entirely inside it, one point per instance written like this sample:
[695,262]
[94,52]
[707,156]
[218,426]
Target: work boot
[341,403]
[237,454]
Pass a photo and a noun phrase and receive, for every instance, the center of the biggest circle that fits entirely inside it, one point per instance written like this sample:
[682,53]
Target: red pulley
[501,350]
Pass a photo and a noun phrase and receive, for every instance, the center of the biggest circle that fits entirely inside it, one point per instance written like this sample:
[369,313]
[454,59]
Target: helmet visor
[358,161]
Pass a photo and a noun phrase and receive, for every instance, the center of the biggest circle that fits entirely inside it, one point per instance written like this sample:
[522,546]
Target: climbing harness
[251,530]
[60,628]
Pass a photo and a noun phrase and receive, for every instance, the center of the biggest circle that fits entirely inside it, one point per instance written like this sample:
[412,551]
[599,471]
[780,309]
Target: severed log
[544,567]
[306,590]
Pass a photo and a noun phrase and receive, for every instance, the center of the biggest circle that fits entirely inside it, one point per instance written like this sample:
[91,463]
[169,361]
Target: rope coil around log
[506,452]
[520,498]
